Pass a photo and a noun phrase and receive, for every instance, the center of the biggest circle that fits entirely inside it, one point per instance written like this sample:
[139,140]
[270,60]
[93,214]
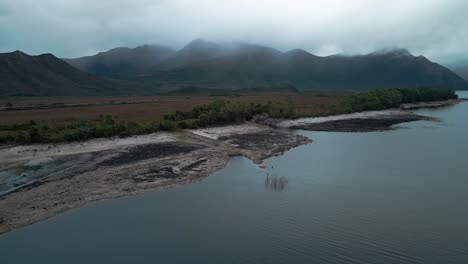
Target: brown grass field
[61,109]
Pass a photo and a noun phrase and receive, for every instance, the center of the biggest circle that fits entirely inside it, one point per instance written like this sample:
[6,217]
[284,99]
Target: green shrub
[365,102]
[166,125]
[392,98]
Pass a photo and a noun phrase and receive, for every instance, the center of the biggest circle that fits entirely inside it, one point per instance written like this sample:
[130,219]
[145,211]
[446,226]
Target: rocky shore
[40,181]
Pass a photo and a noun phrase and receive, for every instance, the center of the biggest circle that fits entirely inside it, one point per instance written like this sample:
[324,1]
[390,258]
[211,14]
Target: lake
[382,197]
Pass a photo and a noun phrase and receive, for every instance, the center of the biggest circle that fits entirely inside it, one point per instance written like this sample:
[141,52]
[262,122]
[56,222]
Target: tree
[390,98]
[365,102]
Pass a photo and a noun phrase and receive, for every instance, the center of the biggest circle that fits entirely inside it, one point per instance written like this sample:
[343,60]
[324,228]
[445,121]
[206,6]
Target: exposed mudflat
[150,151]
[363,124]
[362,121]
[15,154]
[226,131]
[259,146]
[40,181]
[355,122]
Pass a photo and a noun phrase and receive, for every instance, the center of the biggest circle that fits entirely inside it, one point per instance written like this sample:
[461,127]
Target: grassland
[55,119]
[62,109]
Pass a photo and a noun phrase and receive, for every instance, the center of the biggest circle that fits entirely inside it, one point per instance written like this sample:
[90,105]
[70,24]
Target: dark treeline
[220,112]
[104,126]
[217,112]
[393,98]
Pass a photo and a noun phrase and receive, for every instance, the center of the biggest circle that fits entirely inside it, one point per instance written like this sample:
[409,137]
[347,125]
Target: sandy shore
[30,152]
[363,121]
[40,181]
[356,122]
[360,122]
[433,104]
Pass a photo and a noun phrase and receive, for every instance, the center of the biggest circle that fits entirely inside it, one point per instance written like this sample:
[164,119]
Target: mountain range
[241,65]
[47,75]
[152,69]
[461,70]
[122,62]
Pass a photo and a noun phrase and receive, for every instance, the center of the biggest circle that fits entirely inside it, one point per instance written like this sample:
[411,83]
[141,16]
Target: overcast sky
[437,29]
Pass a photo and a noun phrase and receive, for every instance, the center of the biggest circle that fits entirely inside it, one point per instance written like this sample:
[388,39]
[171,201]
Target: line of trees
[217,112]
[220,112]
[393,98]
[104,126]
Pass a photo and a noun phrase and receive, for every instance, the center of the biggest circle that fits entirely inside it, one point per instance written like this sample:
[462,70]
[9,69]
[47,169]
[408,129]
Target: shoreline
[433,104]
[368,121]
[359,122]
[40,181]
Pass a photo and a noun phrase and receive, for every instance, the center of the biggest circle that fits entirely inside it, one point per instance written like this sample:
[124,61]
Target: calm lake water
[385,197]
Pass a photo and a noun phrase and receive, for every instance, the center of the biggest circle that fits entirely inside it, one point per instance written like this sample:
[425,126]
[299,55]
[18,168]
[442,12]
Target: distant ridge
[122,62]
[193,90]
[153,69]
[241,65]
[22,74]
[461,69]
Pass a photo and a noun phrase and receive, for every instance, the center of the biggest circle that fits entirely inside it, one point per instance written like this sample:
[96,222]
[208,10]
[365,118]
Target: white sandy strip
[431,104]
[360,115]
[39,151]
[224,131]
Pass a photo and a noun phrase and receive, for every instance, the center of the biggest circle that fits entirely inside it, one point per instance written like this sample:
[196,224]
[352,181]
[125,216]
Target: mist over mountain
[438,29]
[122,62]
[461,69]
[22,74]
[463,72]
[242,65]
[152,69]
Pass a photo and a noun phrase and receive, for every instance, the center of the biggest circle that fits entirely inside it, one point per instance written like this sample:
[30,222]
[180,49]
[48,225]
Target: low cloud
[437,29]
[5,9]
